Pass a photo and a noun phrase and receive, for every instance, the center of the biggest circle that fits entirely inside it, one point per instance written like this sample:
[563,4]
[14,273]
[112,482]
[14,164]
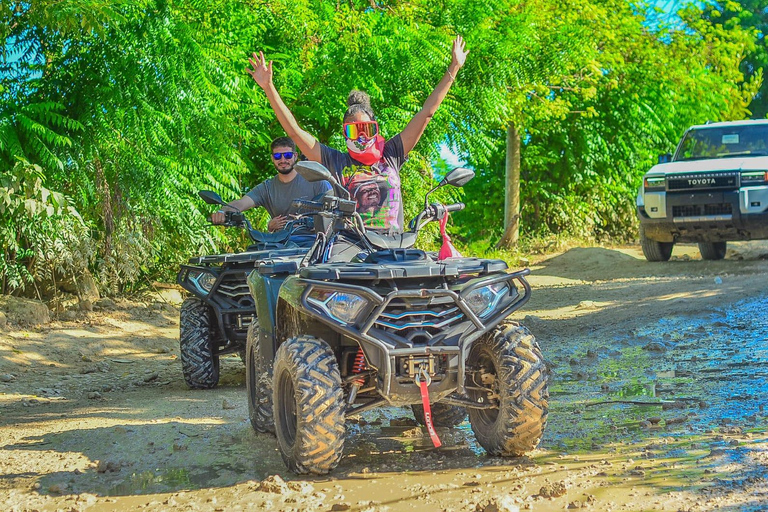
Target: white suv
[714,189]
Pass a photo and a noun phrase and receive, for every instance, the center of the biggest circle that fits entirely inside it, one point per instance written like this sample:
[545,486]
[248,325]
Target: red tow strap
[428,414]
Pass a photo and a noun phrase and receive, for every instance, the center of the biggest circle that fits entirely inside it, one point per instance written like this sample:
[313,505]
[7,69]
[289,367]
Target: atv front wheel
[258,382]
[443,415]
[198,363]
[506,369]
[308,405]
[712,251]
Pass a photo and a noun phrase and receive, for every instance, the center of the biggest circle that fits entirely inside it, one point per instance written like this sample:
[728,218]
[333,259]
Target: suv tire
[198,363]
[258,383]
[712,250]
[508,362]
[309,405]
[653,250]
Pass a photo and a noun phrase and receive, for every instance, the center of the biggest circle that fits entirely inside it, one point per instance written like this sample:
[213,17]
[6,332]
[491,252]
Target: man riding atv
[215,319]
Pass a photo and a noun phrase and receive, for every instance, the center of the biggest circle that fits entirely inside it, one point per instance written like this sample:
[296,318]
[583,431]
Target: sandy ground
[659,373]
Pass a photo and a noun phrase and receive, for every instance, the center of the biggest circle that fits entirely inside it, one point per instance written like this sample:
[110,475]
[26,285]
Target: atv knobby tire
[258,382]
[508,363]
[653,250]
[198,362]
[712,251]
[443,415]
[308,405]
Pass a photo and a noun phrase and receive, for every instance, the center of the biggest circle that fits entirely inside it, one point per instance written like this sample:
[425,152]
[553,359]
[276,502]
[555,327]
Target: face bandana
[367,152]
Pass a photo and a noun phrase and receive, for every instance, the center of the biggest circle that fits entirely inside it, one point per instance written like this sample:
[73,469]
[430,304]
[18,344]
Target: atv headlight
[203,281]
[344,307]
[483,301]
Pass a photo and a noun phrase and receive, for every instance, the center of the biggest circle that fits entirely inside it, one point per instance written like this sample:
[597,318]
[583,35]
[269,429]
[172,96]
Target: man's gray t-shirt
[277,197]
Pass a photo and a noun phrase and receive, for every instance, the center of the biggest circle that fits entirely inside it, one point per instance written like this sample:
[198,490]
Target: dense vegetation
[113,114]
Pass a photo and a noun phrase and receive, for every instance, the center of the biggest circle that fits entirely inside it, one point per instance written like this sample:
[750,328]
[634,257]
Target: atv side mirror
[210,197]
[458,177]
[314,171]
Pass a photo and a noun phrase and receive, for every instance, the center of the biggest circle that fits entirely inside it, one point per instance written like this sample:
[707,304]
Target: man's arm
[415,128]
[242,204]
[262,74]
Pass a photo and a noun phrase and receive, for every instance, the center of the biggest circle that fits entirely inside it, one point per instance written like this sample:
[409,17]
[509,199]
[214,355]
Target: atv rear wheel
[653,250]
[443,415]
[712,250]
[258,383]
[507,364]
[198,362]
[308,405]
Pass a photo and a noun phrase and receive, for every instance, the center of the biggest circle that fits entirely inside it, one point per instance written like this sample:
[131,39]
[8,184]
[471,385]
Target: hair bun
[359,98]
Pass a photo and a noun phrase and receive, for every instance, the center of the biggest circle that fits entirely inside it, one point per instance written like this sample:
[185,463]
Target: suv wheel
[653,250]
[258,382]
[506,369]
[308,405]
[712,250]
[198,362]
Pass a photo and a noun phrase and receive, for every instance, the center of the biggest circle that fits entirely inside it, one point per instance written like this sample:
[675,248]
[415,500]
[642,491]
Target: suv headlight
[483,301]
[753,177]
[203,281]
[654,183]
[344,307]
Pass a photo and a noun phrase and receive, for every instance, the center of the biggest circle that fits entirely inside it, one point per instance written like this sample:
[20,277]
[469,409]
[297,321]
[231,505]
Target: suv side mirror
[665,158]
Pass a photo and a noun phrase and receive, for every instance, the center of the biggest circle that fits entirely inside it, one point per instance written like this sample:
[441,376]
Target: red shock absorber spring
[359,365]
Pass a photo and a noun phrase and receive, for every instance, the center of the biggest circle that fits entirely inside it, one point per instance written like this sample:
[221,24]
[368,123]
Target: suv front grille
[418,320]
[702,209]
[721,180]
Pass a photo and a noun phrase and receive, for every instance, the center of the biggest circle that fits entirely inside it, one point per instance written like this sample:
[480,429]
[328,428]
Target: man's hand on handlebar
[218,218]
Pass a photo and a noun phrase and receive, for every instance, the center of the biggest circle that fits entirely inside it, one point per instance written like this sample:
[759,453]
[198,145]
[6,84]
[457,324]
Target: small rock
[57,488]
[104,466]
[341,506]
[226,405]
[69,315]
[7,377]
[499,504]
[105,303]
[301,487]
[718,280]
[86,305]
[151,377]
[273,484]
[402,422]
[655,420]
[553,490]
[93,395]
[655,346]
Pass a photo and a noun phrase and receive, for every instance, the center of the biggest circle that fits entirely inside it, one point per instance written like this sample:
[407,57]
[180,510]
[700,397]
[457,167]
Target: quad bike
[215,319]
[391,325]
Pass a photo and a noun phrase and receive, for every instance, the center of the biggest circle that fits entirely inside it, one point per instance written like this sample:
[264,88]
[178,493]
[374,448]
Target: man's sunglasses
[287,155]
[367,129]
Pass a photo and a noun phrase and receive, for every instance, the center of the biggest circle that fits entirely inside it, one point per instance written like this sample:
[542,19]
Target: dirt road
[657,403]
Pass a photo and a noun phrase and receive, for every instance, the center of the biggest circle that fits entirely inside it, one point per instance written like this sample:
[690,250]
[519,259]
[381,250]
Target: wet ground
[657,403]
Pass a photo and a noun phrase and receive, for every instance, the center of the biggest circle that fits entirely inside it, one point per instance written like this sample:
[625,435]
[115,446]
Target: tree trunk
[512,191]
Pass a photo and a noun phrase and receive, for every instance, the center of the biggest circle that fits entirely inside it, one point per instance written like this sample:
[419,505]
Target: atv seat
[396,256]
[396,241]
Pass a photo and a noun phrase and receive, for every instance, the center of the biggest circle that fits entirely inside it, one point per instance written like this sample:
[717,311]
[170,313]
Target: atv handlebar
[454,207]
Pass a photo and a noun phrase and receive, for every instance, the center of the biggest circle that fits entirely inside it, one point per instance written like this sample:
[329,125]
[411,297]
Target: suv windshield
[724,142]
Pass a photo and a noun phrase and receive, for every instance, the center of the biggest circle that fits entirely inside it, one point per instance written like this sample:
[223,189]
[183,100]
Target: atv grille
[234,286]
[702,209]
[419,320]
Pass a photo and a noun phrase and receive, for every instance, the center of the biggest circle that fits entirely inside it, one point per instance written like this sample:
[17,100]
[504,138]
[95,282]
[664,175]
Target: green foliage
[129,108]
[41,234]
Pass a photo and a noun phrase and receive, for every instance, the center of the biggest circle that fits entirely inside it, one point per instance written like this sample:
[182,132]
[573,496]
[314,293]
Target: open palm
[459,53]
[261,71]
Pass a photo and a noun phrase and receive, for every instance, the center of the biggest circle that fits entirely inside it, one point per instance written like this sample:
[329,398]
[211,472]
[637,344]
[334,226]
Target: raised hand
[458,53]
[261,72]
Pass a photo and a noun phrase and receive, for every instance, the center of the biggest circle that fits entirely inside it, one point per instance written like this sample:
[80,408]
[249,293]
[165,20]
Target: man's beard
[285,171]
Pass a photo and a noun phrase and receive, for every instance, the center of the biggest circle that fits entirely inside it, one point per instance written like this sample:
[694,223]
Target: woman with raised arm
[370,169]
